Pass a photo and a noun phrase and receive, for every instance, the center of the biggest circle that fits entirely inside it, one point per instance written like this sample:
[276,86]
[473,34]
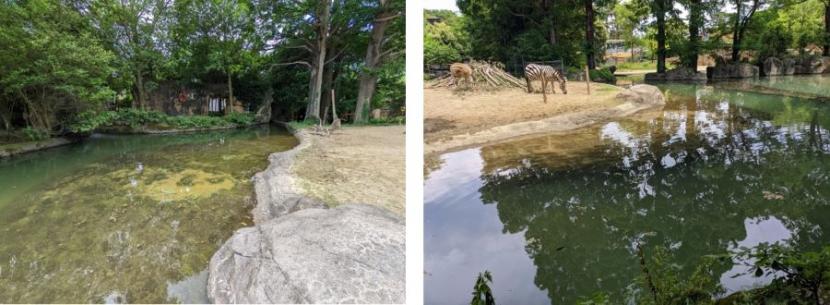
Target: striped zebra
[545,74]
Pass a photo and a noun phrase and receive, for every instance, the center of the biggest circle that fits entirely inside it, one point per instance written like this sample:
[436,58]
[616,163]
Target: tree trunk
[826,51]
[695,21]
[229,106]
[138,101]
[328,84]
[661,36]
[368,79]
[313,109]
[736,39]
[364,97]
[589,34]
[547,5]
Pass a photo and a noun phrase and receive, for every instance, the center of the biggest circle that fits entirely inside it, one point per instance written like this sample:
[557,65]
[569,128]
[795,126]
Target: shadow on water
[126,218]
[557,218]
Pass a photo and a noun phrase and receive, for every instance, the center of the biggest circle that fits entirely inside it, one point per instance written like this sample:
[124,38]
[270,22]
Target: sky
[440,5]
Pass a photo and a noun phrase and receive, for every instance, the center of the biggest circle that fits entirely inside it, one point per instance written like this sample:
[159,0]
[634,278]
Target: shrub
[603,75]
[35,134]
[89,121]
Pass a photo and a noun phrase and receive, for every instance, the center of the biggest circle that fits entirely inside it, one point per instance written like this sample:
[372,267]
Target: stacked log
[489,75]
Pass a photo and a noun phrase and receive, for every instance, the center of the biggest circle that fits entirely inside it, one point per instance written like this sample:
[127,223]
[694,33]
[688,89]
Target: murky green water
[557,217]
[126,218]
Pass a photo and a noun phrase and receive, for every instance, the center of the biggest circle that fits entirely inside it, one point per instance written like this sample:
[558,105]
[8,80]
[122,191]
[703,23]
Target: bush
[89,121]
[34,134]
[603,75]
[397,120]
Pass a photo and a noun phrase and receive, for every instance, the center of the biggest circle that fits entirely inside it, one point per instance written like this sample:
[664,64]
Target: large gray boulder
[726,71]
[677,74]
[642,94]
[773,66]
[347,254]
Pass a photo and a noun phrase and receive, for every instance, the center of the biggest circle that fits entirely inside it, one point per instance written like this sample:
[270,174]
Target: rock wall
[727,71]
[677,74]
[789,66]
[299,251]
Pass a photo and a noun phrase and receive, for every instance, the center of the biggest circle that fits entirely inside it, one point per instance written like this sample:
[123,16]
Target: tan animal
[461,71]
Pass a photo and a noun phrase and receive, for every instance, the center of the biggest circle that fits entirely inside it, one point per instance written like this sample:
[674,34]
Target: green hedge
[134,118]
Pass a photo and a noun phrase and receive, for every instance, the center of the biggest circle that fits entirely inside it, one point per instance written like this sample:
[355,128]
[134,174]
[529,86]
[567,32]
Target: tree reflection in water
[688,178]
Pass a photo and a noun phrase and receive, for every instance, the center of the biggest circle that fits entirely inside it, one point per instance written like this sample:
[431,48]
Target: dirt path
[355,165]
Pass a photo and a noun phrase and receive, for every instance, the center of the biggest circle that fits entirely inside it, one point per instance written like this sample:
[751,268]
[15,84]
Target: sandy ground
[355,165]
[450,113]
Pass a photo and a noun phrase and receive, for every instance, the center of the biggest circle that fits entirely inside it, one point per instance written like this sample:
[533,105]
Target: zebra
[545,74]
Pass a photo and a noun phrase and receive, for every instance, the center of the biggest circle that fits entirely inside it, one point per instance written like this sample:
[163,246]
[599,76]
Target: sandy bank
[355,164]
[455,121]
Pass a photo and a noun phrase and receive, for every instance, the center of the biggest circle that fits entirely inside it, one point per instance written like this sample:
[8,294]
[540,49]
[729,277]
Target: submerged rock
[642,94]
[347,254]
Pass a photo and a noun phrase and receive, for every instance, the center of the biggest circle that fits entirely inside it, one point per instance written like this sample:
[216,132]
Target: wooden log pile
[488,75]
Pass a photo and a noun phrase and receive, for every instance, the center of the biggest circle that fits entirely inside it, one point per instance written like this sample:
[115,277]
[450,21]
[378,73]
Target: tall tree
[132,29]
[695,24]
[743,15]
[321,25]
[217,36]
[660,9]
[51,63]
[381,46]
[589,34]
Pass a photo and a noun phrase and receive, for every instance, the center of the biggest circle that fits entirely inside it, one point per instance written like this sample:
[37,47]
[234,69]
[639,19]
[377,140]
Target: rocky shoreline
[11,150]
[299,251]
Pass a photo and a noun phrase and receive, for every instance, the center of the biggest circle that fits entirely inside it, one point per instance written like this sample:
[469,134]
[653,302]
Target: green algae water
[121,219]
[557,218]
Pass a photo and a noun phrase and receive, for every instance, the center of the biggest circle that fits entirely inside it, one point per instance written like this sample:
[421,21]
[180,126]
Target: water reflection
[692,178]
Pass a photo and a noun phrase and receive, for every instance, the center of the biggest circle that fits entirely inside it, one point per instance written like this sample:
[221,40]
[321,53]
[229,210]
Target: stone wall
[789,66]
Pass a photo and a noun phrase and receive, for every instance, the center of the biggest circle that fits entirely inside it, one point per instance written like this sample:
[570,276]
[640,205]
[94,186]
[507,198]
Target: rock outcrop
[773,66]
[677,74]
[642,94]
[299,251]
[726,71]
[347,254]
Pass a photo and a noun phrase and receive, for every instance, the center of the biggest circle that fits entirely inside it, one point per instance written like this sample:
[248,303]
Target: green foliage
[397,120]
[597,299]
[800,277]
[482,294]
[90,121]
[445,41]
[516,32]
[663,285]
[51,62]
[603,75]
[34,134]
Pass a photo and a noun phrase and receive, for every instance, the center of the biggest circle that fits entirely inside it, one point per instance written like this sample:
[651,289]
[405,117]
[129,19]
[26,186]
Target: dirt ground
[355,165]
[449,112]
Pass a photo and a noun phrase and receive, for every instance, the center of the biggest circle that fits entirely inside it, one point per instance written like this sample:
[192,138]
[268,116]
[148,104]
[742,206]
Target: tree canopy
[576,32]
[60,58]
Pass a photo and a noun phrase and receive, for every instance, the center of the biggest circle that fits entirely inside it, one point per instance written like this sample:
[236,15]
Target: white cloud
[440,5]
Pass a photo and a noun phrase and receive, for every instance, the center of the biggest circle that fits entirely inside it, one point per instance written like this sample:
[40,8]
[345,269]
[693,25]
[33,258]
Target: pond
[132,218]
[557,218]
